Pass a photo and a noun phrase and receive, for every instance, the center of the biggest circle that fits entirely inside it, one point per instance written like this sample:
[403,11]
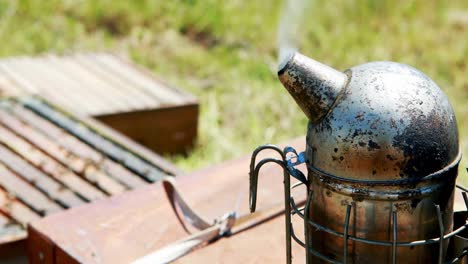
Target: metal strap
[207,232]
[183,212]
[182,247]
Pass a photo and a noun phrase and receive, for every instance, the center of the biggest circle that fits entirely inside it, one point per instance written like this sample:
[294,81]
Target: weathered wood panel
[51,160]
[111,89]
[145,218]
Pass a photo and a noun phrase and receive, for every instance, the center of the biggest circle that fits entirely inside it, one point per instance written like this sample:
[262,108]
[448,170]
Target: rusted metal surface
[46,168]
[382,139]
[119,93]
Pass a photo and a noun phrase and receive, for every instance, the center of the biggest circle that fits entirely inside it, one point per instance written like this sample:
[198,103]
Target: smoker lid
[392,122]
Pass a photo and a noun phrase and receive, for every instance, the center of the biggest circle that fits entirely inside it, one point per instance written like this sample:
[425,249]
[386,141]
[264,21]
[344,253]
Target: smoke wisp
[293,17]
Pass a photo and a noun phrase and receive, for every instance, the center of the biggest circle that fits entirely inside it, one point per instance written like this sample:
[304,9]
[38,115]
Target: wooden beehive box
[113,90]
[51,160]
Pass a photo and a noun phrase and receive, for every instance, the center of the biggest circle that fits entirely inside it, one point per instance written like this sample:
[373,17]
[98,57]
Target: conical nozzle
[313,85]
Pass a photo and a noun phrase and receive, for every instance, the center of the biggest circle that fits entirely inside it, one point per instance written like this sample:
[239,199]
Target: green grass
[224,52]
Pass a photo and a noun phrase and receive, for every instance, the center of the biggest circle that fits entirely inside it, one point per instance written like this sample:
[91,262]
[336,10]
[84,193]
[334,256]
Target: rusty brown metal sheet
[46,168]
[144,216]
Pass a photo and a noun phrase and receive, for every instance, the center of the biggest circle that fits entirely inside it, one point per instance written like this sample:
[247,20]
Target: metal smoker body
[382,155]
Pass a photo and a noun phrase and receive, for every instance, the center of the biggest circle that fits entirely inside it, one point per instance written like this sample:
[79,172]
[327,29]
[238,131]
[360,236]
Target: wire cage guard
[289,159]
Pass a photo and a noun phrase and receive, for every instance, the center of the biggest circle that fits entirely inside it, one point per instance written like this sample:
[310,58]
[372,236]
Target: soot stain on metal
[424,147]
[372,145]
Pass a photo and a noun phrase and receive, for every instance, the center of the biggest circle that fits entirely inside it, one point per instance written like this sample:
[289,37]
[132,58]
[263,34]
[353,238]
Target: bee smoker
[382,157]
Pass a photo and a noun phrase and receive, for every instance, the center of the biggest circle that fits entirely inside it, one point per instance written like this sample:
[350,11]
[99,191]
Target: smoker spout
[313,85]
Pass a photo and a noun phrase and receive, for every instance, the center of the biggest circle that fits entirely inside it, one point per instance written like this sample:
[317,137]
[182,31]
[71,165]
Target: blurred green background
[224,52]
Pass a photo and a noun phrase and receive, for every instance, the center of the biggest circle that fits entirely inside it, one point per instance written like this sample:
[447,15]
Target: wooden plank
[10,231]
[11,206]
[40,249]
[66,140]
[83,94]
[91,85]
[31,78]
[75,146]
[131,146]
[17,78]
[27,193]
[103,85]
[145,217]
[134,97]
[168,135]
[146,80]
[40,180]
[113,148]
[42,142]
[88,170]
[124,175]
[55,84]
[8,87]
[50,166]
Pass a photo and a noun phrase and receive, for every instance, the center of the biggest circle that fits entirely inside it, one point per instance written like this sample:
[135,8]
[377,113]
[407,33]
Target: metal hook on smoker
[254,169]
[288,170]
[286,163]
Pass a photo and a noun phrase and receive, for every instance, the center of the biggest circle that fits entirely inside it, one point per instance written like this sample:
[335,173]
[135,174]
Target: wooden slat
[86,83]
[135,98]
[5,68]
[39,140]
[118,171]
[27,193]
[80,166]
[33,78]
[163,94]
[132,146]
[111,148]
[54,84]
[4,220]
[75,146]
[16,210]
[8,87]
[50,166]
[43,182]
[83,94]
[10,231]
[103,85]
[66,140]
